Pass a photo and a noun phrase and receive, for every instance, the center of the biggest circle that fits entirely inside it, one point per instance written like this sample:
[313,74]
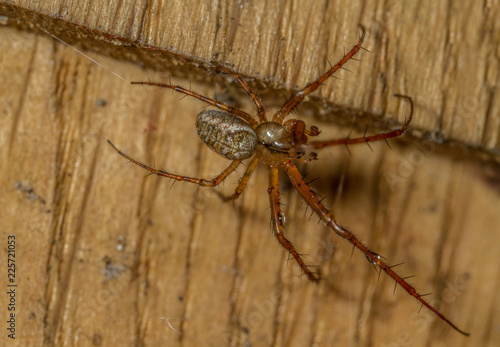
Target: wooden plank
[453,76]
[109,256]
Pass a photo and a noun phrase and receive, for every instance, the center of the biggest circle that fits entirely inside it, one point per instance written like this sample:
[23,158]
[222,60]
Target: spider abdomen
[226,134]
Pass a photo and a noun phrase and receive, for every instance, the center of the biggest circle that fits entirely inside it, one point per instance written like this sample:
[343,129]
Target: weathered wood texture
[107,256]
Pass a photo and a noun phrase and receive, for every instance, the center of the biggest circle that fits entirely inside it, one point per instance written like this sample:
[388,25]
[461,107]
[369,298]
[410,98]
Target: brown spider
[236,135]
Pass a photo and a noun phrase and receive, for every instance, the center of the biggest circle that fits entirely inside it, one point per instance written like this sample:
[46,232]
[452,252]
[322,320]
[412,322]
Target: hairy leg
[258,104]
[277,221]
[297,98]
[199,181]
[243,181]
[209,101]
[327,217]
[314,145]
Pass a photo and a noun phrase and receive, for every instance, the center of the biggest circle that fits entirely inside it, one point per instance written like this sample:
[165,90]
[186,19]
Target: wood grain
[108,256]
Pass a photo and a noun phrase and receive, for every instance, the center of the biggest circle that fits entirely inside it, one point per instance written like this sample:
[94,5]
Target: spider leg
[209,101]
[278,219]
[311,87]
[243,182]
[327,217]
[199,181]
[260,109]
[364,139]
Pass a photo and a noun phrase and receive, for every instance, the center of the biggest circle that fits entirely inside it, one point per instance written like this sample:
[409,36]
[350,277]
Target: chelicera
[236,135]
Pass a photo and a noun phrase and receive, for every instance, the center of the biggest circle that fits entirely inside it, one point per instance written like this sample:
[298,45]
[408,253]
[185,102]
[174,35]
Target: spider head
[274,137]
[277,140]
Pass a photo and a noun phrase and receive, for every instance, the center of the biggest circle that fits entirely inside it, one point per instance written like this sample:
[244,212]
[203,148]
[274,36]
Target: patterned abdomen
[226,134]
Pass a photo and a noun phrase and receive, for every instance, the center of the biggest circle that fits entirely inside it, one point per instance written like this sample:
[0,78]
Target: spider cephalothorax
[236,135]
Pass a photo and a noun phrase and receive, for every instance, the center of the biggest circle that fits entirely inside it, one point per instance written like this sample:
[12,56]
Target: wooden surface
[107,256]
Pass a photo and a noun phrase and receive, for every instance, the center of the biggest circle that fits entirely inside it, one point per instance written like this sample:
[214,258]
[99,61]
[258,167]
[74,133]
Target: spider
[236,135]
